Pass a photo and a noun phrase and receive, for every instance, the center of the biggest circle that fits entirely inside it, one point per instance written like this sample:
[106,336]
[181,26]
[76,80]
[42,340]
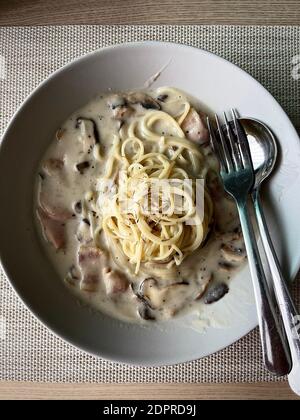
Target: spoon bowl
[263,148]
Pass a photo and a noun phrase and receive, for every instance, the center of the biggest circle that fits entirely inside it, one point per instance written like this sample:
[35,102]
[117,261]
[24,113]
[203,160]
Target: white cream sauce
[60,185]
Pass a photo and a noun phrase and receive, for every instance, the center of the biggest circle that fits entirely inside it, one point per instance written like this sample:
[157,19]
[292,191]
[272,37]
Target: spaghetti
[152,215]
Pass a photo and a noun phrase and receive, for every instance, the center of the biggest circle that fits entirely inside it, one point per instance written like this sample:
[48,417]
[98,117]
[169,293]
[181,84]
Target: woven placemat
[28,351]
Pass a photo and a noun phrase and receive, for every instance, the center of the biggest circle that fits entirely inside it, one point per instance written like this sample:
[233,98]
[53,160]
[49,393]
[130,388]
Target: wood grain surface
[244,12]
[233,12]
[259,391]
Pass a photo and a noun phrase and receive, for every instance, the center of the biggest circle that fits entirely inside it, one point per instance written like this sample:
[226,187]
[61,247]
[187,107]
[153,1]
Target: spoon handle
[274,347]
[290,317]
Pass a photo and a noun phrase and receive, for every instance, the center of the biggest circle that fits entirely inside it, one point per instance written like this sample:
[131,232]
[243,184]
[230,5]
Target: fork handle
[275,353]
[290,317]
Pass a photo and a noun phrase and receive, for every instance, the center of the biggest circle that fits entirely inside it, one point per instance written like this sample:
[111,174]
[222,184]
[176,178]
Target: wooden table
[177,392]
[236,12]
[233,12]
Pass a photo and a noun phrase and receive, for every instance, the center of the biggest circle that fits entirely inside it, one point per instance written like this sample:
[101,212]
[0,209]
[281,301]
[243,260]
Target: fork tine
[235,150]
[242,142]
[215,145]
[225,149]
[234,113]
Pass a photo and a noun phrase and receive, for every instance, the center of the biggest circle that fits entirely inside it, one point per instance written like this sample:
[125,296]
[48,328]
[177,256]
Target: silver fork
[238,178]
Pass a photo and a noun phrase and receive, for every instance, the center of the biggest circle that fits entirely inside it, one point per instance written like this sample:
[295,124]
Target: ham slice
[52,210]
[194,127]
[53,230]
[91,260]
[114,281]
[52,166]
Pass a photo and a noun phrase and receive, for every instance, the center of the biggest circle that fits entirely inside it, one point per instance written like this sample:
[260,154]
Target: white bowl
[219,85]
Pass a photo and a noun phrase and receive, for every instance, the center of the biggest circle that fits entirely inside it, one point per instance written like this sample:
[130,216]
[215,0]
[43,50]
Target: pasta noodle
[152,162]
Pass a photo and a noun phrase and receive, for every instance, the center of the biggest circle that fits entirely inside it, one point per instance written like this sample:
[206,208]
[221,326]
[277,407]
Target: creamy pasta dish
[130,207]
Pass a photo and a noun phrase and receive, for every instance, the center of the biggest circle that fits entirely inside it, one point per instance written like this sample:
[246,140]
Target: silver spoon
[263,149]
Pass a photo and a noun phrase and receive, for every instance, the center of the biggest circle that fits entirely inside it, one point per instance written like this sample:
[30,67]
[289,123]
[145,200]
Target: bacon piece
[60,133]
[53,230]
[194,127]
[52,210]
[120,109]
[114,281]
[91,260]
[122,112]
[52,166]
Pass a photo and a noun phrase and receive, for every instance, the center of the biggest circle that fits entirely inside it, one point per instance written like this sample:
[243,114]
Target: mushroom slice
[53,230]
[143,99]
[78,207]
[162,97]
[52,166]
[225,266]
[194,127]
[89,134]
[119,106]
[216,293]
[203,287]
[145,312]
[158,297]
[91,260]
[115,282]
[82,166]
[151,293]
[234,235]
[232,254]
